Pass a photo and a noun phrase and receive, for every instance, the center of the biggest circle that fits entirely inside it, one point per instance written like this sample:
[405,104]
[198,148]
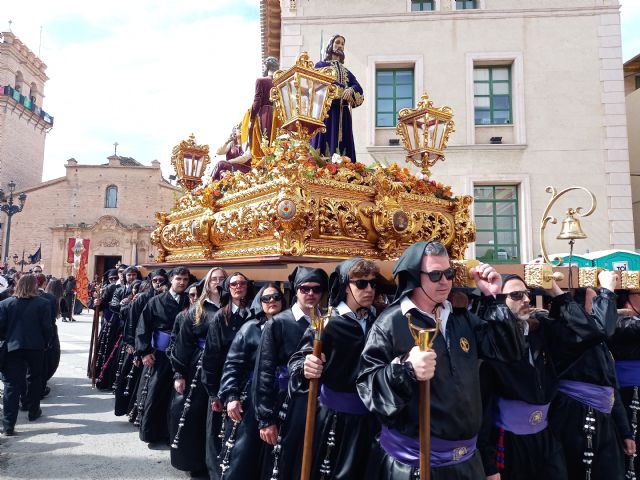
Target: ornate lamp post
[303,95]
[425,132]
[190,161]
[10,208]
[22,262]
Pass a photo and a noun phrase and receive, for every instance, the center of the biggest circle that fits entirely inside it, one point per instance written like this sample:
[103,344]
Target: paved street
[78,436]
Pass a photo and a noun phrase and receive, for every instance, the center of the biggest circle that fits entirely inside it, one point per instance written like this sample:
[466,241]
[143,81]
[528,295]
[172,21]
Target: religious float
[296,206]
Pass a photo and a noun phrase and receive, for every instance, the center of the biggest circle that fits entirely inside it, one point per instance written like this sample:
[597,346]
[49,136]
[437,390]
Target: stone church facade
[113,205]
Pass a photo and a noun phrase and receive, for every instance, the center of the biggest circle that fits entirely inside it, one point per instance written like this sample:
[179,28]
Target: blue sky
[148,73]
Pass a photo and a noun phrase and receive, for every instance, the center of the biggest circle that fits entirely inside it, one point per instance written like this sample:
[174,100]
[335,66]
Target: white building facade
[537,92]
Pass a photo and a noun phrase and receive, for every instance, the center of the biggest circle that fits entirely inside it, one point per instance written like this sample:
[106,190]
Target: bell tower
[23,122]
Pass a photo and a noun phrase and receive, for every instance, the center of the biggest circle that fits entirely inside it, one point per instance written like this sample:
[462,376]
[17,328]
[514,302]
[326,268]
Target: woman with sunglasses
[241,460]
[188,451]
[234,312]
[345,429]
[281,418]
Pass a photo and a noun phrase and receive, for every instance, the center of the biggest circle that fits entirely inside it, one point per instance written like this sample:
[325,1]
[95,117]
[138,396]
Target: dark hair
[179,271]
[329,50]
[55,288]
[27,287]
[226,309]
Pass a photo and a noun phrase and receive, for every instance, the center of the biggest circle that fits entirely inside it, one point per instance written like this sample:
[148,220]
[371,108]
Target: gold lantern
[190,161]
[302,96]
[425,132]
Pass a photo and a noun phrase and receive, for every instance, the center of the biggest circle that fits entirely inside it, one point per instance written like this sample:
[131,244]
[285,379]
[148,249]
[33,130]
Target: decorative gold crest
[536,417]
[464,345]
[459,453]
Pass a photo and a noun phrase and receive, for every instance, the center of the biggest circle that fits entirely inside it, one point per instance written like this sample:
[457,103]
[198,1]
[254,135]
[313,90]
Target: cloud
[145,74]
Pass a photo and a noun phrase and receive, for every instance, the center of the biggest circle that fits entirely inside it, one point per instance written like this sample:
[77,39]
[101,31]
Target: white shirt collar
[446,308]
[298,313]
[176,296]
[344,310]
[234,307]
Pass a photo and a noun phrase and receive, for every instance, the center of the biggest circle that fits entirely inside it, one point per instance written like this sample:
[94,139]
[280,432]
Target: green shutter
[496,214]
[394,91]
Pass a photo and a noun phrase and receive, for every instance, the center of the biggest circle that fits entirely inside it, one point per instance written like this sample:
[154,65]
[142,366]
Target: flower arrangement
[286,152]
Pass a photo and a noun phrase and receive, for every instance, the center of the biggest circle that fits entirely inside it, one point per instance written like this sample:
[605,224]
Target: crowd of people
[30,305]
[219,369]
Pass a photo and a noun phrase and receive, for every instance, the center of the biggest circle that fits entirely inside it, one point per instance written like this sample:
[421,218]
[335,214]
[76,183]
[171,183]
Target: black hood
[407,269]
[339,280]
[302,275]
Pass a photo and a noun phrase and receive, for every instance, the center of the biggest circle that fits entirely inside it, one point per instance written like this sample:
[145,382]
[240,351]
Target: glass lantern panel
[293,100]
[415,133]
[439,134]
[197,162]
[286,104]
[306,89]
[318,100]
[186,164]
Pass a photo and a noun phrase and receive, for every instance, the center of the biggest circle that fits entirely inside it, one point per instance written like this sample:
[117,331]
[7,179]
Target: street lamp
[10,208]
[22,262]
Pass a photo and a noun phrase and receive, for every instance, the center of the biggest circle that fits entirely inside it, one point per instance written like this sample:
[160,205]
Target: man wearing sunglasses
[343,446]
[281,419]
[391,367]
[515,442]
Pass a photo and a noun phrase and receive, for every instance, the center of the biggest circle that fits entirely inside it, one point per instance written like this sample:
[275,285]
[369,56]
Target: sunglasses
[157,280]
[519,295]
[37,271]
[113,278]
[218,279]
[306,290]
[193,295]
[436,275]
[238,284]
[362,284]
[276,297]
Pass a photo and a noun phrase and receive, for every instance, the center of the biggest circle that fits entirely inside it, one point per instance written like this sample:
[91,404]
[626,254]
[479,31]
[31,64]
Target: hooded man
[345,429]
[391,366]
[280,418]
[152,339]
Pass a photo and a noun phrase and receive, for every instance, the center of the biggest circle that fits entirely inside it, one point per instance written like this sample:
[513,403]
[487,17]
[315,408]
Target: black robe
[129,374]
[625,346]
[188,451]
[532,456]
[342,343]
[113,346]
[159,314]
[240,461]
[273,405]
[388,389]
[108,333]
[581,354]
[219,337]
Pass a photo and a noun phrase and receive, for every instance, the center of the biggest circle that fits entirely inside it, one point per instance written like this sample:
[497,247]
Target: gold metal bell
[571,229]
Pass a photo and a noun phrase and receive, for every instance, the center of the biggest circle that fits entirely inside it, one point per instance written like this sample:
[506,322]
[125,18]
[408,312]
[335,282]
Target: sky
[148,73]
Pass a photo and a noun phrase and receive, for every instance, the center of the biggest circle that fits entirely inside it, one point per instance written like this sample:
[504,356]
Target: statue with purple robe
[339,135]
[236,159]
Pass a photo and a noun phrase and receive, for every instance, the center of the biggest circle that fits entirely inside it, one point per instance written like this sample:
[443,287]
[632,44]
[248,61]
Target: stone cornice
[450,15]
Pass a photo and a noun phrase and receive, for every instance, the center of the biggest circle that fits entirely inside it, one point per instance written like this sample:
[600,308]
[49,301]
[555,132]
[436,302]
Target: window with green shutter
[496,217]
[492,95]
[394,91]
[465,4]
[420,5]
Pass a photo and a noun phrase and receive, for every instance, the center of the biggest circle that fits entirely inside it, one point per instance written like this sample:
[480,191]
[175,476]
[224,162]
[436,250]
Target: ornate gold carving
[540,275]
[588,277]
[463,276]
[341,218]
[630,280]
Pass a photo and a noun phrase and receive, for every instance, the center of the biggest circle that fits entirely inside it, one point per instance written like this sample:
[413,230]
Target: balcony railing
[26,102]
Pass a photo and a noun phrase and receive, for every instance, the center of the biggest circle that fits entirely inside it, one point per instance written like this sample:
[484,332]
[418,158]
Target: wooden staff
[93,346]
[318,324]
[424,341]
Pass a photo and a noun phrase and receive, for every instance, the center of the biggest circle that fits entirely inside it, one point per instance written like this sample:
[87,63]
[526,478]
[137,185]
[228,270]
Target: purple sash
[342,402]
[443,452]
[628,372]
[596,396]
[282,374]
[201,343]
[521,418]
[160,340]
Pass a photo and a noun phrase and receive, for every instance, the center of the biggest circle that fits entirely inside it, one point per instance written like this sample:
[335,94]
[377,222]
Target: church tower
[23,123]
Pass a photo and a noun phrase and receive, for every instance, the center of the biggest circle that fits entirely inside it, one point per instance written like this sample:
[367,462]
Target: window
[111,197]
[419,5]
[492,95]
[394,91]
[496,217]
[465,4]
